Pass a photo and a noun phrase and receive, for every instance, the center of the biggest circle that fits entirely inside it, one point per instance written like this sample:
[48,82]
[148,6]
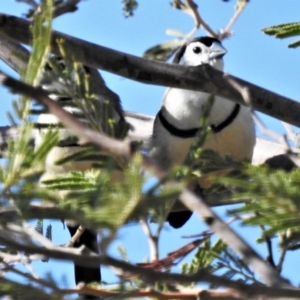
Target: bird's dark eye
[197,50]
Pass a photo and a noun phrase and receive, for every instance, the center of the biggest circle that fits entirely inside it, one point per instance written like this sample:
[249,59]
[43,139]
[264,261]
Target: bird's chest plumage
[184,110]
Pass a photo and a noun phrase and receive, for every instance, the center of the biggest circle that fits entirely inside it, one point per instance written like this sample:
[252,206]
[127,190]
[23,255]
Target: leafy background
[251,55]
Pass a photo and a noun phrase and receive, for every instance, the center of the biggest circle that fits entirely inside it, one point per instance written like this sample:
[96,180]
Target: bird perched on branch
[177,123]
[68,145]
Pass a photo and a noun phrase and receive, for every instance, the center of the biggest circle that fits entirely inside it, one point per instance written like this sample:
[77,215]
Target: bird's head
[202,50]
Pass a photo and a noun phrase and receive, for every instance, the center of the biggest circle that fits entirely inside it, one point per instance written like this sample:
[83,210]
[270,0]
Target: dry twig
[240,6]
[194,12]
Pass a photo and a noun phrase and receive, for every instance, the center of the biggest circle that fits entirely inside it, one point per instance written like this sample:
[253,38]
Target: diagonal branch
[14,54]
[268,274]
[112,146]
[203,78]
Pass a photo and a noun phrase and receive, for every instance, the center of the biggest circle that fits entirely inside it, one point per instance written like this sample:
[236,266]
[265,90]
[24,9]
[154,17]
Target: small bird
[68,145]
[177,123]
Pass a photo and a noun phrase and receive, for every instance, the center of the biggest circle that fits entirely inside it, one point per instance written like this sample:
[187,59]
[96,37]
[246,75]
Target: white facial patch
[192,56]
[197,54]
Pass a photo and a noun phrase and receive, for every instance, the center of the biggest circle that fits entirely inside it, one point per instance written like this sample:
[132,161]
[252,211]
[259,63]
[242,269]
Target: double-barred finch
[59,90]
[177,123]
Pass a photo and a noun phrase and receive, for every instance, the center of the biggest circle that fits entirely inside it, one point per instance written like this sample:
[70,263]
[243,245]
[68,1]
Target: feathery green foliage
[41,32]
[22,162]
[285,31]
[271,199]
[39,227]
[23,165]
[218,258]
[49,232]
[98,198]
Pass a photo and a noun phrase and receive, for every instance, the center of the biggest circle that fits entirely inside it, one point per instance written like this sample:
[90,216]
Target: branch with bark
[202,78]
[84,257]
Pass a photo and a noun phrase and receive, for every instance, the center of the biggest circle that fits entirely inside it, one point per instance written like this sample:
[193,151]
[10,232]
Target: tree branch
[202,78]
[112,146]
[14,54]
[268,274]
[191,294]
[92,260]
[152,240]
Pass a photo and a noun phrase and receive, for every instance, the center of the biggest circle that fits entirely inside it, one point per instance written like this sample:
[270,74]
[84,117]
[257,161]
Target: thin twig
[16,258]
[152,240]
[240,6]
[39,281]
[194,12]
[32,233]
[281,138]
[174,257]
[281,258]
[268,241]
[290,132]
[26,262]
[75,237]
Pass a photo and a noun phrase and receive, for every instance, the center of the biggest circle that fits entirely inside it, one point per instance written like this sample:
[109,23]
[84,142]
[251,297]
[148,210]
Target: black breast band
[190,133]
[183,133]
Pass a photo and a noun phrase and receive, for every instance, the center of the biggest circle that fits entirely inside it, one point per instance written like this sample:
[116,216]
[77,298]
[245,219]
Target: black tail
[85,274]
[178,218]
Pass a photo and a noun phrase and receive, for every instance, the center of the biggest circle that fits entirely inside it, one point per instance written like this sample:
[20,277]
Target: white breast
[184,111]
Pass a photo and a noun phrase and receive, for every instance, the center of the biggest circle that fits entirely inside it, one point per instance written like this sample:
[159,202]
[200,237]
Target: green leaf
[41,31]
[39,227]
[271,198]
[284,31]
[294,44]
[49,232]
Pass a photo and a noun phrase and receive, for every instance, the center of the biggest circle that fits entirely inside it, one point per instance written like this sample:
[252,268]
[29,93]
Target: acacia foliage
[269,196]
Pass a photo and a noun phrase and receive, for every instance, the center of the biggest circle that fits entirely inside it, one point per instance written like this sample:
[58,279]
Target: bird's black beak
[216,50]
